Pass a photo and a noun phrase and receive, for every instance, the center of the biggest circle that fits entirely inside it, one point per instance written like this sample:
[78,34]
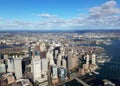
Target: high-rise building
[44,62]
[87,59]
[37,53]
[29,52]
[59,60]
[64,63]
[56,54]
[1,56]
[11,65]
[42,47]
[93,59]
[75,60]
[54,72]
[52,61]
[2,68]
[50,57]
[6,56]
[62,73]
[18,67]
[25,63]
[36,65]
[70,60]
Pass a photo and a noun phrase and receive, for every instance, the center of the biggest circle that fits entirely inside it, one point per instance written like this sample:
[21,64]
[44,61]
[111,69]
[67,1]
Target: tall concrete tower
[18,67]
[70,60]
[59,60]
[87,59]
[11,65]
[75,60]
[54,72]
[29,52]
[44,62]
[56,54]
[93,59]
[64,63]
[36,65]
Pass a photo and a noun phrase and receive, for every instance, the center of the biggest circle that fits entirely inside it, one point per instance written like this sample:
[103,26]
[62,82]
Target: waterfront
[111,70]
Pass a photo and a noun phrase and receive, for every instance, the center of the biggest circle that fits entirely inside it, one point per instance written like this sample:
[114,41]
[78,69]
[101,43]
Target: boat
[90,74]
[101,61]
[96,72]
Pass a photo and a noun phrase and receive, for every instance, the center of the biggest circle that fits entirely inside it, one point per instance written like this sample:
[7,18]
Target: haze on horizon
[59,14]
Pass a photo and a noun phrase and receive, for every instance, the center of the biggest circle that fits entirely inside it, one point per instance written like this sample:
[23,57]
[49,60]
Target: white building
[87,59]
[42,47]
[59,60]
[5,56]
[24,82]
[93,59]
[2,68]
[50,57]
[64,63]
[18,67]
[44,62]
[36,65]
[10,78]
[56,53]
[11,65]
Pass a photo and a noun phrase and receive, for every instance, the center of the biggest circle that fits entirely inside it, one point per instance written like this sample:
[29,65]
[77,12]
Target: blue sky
[59,14]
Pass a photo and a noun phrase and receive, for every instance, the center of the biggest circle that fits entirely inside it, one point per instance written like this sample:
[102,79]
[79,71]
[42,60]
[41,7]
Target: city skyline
[59,15]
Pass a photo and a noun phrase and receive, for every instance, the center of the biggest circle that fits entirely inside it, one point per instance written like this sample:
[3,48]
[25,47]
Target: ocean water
[111,70]
[72,83]
[4,46]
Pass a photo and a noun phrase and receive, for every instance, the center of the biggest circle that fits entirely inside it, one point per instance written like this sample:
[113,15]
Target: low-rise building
[23,82]
[10,78]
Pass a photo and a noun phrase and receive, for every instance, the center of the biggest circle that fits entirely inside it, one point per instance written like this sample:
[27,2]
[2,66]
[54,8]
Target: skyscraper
[54,72]
[87,59]
[70,60]
[49,55]
[56,54]
[62,73]
[59,60]
[36,65]
[75,60]
[29,52]
[64,63]
[44,66]
[18,67]
[2,68]
[11,65]
[42,47]
[93,59]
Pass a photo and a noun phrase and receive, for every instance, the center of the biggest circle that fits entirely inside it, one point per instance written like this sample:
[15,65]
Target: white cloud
[104,16]
[45,15]
[105,10]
